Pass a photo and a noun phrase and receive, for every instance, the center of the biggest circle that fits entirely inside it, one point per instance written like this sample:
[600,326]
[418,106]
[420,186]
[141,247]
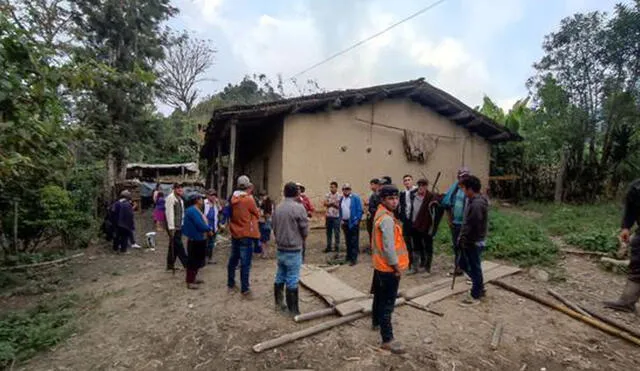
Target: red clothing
[244,216]
[306,202]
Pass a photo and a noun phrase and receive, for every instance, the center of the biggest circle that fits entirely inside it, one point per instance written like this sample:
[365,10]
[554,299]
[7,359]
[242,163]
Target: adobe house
[350,136]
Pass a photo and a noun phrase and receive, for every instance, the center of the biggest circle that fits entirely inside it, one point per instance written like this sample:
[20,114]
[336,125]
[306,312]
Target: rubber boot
[628,299]
[292,301]
[278,291]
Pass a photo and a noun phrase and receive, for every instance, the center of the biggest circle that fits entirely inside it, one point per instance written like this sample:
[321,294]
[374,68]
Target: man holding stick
[631,293]
[390,258]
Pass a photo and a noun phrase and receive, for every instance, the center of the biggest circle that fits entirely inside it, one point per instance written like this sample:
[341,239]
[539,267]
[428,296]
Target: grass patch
[589,227]
[32,258]
[24,333]
[511,237]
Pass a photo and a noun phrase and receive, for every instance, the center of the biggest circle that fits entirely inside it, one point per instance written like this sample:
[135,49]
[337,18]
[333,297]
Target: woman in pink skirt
[158,211]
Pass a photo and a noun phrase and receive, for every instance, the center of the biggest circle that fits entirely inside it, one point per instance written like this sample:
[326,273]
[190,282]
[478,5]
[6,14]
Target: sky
[469,48]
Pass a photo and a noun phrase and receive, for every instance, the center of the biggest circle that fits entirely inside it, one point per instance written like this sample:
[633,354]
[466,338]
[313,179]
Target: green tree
[128,37]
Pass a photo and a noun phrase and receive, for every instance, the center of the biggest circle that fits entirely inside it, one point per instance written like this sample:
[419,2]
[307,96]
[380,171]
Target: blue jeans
[289,264]
[241,252]
[470,263]
[333,230]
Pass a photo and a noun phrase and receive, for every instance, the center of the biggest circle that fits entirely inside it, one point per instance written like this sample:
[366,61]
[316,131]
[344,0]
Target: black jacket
[401,211]
[632,206]
[476,217]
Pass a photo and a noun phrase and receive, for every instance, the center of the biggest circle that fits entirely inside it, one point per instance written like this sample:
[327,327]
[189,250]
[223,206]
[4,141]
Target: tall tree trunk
[557,196]
[116,172]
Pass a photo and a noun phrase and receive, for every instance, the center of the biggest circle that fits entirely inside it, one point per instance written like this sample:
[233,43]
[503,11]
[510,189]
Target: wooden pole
[232,157]
[219,169]
[611,322]
[315,314]
[287,338]
[495,337]
[568,303]
[424,308]
[51,262]
[588,320]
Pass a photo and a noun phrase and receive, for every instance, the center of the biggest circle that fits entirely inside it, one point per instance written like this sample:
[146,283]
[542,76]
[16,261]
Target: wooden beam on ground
[443,293]
[588,320]
[611,322]
[497,334]
[417,291]
[315,314]
[567,302]
[288,338]
[582,252]
[232,157]
[426,309]
[42,264]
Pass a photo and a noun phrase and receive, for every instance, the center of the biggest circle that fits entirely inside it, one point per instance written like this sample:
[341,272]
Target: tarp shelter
[163,173]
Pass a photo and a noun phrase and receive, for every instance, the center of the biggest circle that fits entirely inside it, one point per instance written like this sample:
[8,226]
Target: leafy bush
[24,333]
[590,227]
[518,239]
[511,237]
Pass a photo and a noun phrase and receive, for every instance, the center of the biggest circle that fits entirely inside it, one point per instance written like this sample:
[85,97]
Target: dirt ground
[140,317]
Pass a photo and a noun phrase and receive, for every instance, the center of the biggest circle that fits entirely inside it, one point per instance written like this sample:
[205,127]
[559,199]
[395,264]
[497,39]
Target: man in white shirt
[404,212]
[174,211]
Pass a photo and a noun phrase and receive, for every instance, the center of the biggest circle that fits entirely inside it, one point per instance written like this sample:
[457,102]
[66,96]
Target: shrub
[24,333]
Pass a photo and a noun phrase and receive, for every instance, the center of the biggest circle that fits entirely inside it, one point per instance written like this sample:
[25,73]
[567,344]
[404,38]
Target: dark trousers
[211,244]
[121,239]
[455,233]
[407,234]
[370,229]
[176,250]
[634,260]
[333,231]
[470,263]
[423,247]
[197,250]
[385,290]
[241,252]
[351,238]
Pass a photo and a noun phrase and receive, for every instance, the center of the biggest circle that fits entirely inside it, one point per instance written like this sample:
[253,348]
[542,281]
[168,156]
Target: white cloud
[209,9]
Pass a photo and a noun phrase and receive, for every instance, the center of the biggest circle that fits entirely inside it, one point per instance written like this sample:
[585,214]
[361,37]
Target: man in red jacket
[306,202]
[244,230]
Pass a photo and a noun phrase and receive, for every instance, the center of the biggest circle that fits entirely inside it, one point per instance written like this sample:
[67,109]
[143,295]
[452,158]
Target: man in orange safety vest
[390,258]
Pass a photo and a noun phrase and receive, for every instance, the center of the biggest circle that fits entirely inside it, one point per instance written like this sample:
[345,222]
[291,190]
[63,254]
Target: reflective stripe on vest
[379,260]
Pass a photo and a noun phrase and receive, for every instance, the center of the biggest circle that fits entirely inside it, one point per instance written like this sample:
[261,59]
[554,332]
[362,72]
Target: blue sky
[467,47]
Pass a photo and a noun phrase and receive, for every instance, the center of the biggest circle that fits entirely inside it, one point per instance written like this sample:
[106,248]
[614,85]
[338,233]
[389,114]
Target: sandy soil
[140,317]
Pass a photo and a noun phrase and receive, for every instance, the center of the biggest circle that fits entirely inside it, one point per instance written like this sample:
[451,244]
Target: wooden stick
[588,320]
[568,303]
[583,252]
[623,263]
[495,337]
[611,322]
[315,314]
[61,260]
[287,338]
[424,308]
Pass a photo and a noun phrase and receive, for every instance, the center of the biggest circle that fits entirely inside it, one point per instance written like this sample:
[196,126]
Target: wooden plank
[497,334]
[330,288]
[417,291]
[490,275]
[315,314]
[350,307]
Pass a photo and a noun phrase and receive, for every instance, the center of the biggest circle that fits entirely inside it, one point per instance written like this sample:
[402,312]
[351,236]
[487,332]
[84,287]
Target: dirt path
[145,319]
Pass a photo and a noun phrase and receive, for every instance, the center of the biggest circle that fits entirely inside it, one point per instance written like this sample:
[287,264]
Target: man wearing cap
[244,230]
[174,211]
[454,202]
[123,221]
[290,227]
[404,209]
[390,259]
[422,220]
[350,216]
